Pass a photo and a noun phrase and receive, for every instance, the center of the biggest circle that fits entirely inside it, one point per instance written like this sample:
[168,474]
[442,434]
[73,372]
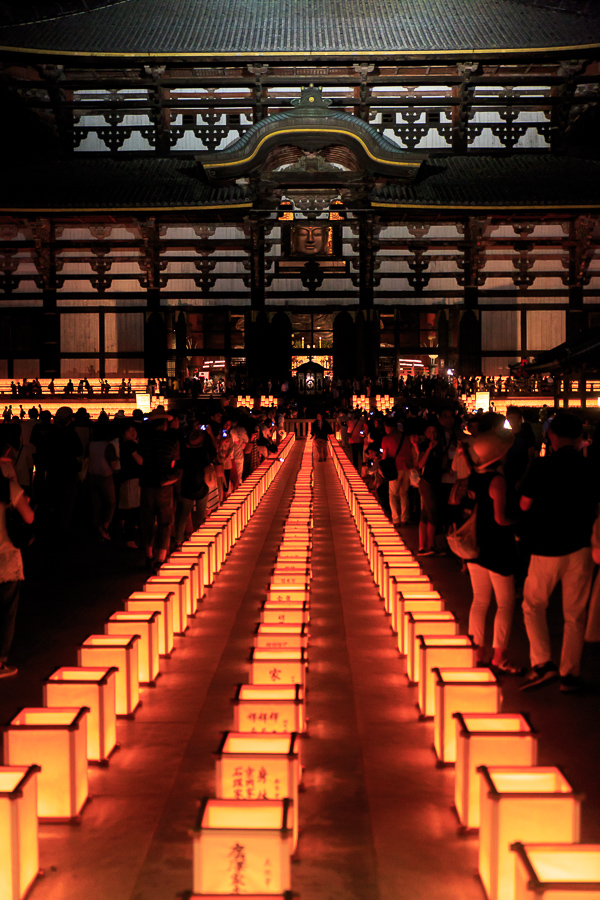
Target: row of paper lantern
[527,816]
[383,403]
[245,837]
[47,750]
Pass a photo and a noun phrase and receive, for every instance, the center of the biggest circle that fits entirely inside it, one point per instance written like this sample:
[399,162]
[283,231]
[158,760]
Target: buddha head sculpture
[312,240]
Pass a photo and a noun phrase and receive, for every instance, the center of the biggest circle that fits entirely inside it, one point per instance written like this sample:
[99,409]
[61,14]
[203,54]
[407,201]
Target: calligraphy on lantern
[248,782]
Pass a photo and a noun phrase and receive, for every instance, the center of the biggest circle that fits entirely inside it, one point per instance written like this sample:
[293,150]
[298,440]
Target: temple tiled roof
[494,181]
[306,27]
[105,184]
[477,182]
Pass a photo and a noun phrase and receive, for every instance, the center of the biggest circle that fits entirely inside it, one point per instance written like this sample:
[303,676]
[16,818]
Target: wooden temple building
[251,185]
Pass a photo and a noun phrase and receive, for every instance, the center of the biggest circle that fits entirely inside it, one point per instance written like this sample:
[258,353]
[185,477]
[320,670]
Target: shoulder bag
[462,540]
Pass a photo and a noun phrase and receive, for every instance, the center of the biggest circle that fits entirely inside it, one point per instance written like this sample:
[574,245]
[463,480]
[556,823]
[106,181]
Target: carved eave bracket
[311,126]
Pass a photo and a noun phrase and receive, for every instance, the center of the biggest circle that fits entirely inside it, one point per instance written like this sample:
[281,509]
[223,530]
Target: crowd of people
[145,482]
[520,500]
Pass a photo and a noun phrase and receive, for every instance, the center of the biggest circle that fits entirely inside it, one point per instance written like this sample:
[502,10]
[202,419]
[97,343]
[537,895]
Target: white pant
[398,489]
[574,571]
[485,585]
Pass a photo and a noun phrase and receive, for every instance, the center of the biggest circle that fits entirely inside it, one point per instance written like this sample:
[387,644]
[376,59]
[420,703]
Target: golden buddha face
[311,240]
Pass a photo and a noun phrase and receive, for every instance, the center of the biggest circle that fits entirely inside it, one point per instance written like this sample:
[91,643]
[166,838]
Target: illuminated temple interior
[239,188]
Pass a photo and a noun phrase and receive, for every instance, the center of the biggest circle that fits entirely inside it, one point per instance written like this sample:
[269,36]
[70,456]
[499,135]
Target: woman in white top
[11,568]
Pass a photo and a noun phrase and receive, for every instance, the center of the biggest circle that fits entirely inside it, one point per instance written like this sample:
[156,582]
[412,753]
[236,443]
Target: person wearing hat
[493,572]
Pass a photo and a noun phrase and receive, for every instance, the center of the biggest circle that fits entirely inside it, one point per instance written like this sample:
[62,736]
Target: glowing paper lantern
[145,625]
[440,651]
[288,593]
[412,601]
[259,767]
[173,569]
[266,708]
[284,613]
[280,581]
[205,545]
[56,740]
[203,558]
[442,622]
[557,871]
[225,520]
[525,804]
[160,584]
[19,854]
[93,687]
[191,563]
[143,601]
[299,557]
[482,740]
[213,543]
[402,583]
[241,846]
[278,666]
[121,652]
[460,690]
[291,546]
[280,637]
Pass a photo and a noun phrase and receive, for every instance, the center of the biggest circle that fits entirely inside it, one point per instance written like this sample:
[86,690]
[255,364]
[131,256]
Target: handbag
[414,476]
[387,466]
[462,540]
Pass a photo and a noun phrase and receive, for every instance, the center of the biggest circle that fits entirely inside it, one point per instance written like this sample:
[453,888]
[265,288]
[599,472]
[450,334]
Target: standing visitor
[11,568]
[396,445]
[196,455]
[320,430]
[430,466]
[129,488]
[493,572]
[356,437]
[560,497]
[103,462]
[159,452]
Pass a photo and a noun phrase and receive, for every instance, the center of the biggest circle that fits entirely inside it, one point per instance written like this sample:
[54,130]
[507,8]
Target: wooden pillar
[255,228]
[48,318]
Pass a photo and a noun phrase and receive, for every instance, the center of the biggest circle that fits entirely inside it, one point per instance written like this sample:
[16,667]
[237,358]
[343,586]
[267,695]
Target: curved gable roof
[311,125]
[305,27]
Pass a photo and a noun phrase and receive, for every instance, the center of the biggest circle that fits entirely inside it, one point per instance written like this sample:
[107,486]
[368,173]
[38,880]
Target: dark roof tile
[306,26]
[103,184]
